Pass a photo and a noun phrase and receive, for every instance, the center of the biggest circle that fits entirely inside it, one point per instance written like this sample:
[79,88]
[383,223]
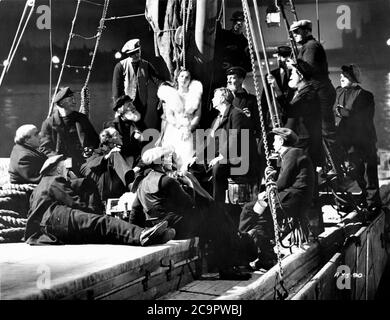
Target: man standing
[355,109]
[282,77]
[25,159]
[137,79]
[69,211]
[295,185]
[68,131]
[313,53]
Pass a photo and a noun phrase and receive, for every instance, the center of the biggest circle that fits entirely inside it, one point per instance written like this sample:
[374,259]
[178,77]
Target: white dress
[179,111]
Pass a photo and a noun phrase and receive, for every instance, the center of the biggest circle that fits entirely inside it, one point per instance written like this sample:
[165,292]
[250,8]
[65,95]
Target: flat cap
[120,102]
[131,46]
[303,24]
[51,162]
[62,94]
[239,71]
[237,16]
[287,134]
[284,51]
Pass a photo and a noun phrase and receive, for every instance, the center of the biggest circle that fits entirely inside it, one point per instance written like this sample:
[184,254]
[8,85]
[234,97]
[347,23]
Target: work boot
[153,235]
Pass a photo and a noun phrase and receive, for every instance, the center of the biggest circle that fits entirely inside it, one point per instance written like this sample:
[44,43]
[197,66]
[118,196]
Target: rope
[93,3]
[85,38]
[125,17]
[65,56]
[270,172]
[51,55]
[85,96]
[18,37]
[184,32]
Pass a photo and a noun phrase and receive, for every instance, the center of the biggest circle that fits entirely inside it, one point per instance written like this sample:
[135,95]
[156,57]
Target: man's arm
[47,144]
[137,215]
[118,85]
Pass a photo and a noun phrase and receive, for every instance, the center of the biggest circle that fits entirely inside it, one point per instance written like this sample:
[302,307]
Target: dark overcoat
[25,164]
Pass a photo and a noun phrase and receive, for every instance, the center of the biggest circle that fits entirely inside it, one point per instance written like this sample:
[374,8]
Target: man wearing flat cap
[313,53]
[282,76]
[295,185]
[68,131]
[138,79]
[70,211]
[354,109]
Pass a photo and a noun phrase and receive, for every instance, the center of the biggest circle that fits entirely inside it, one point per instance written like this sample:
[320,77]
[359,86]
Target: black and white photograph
[194,155]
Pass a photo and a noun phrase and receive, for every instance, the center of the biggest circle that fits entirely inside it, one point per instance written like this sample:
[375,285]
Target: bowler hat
[287,134]
[237,16]
[301,24]
[351,72]
[62,94]
[120,102]
[131,46]
[51,162]
[239,71]
[284,51]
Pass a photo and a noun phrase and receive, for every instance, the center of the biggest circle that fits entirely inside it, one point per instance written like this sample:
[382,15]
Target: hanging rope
[270,172]
[184,32]
[125,17]
[29,7]
[275,113]
[51,55]
[85,96]
[65,56]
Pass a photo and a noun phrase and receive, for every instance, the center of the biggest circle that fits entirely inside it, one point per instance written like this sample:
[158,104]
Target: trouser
[121,167]
[366,173]
[221,173]
[261,223]
[77,227]
[327,96]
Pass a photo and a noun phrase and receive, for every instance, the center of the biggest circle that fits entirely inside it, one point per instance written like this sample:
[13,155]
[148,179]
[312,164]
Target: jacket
[25,164]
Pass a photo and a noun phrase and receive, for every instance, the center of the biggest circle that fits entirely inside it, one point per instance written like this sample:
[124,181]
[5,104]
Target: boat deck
[95,271]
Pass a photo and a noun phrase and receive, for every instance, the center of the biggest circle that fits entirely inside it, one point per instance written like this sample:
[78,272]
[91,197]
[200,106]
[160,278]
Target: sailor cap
[131,46]
[287,134]
[62,94]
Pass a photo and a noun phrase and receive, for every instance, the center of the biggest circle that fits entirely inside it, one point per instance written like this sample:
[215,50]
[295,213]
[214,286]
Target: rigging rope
[85,97]
[125,17]
[18,37]
[65,56]
[51,54]
[269,171]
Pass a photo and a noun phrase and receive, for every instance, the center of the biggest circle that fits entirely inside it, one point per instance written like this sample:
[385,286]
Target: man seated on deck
[295,185]
[107,166]
[129,125]
[26,160]
[166,195]
[68,131]
[69,211]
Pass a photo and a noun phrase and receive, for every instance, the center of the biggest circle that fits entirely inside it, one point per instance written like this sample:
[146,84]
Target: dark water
[22,104]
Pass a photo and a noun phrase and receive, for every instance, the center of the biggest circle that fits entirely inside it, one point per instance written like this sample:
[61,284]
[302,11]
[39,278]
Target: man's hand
[262,196]
[341,111]
[214,161]
[192,161]
[289,63]
[247,112]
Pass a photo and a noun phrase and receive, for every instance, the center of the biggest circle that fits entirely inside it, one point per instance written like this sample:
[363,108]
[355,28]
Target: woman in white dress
[182,111]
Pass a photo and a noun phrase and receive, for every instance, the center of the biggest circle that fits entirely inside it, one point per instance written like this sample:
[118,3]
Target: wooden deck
[95,271]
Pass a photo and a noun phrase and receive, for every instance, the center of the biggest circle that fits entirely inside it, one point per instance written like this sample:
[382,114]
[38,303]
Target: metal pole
[260,29]
[259,61]
[318,22]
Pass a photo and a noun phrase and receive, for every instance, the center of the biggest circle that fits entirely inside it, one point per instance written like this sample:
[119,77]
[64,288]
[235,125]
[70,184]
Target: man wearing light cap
[295,185]
[70,211]
[354,110]
[138,79]
[313,53]
[68,131]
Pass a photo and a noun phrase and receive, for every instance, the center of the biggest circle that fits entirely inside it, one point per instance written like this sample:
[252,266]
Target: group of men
[76,168]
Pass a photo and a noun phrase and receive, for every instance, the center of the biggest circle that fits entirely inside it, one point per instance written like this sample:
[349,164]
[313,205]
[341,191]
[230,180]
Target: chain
[270,172]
